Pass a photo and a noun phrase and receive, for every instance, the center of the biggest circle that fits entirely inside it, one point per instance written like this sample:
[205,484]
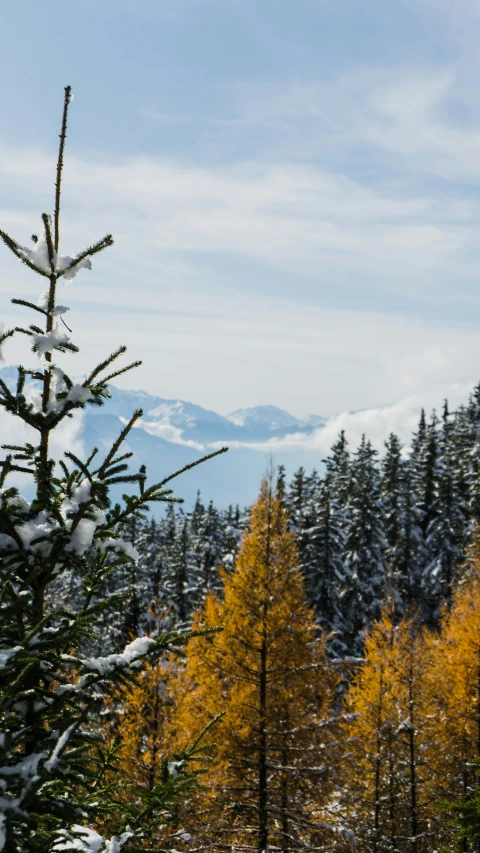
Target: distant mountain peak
[314,421]
[270,417]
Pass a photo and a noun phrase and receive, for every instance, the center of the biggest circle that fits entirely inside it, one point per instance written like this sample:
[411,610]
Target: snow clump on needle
[131,653]
[63,265]
[85,840]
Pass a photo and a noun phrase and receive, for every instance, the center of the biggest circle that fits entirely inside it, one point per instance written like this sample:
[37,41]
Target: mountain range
[174,433]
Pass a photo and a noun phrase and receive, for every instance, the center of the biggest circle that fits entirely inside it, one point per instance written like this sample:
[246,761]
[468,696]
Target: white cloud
[226,351]
[376,424]
[411,120]
[281,213]
[166,431]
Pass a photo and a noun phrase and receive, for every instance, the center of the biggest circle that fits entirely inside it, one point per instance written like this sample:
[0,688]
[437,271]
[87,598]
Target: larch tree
[388,788]
[454,742]
[52,776]
[135,726]
[274,776]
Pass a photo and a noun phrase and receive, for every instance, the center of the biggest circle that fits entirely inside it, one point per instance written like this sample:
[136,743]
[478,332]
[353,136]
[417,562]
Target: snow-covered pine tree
[401,518]
[391,468]
[180,571]
[179,557]
[464,440]
[297,498]
[149,542]
[426,460]
[197,515]
[365,548]
[323,562]
[408,553]
[446,533]
[338,467]
[209,548]
[235,522]
[52,778]
[469,431]
[301,497]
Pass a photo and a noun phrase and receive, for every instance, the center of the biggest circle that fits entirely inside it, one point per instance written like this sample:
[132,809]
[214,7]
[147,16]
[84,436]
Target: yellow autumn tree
[135,731]
[454,689]
[389,791]
[272,782]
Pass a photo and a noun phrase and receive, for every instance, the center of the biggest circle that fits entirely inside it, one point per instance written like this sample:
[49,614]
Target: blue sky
[292,184]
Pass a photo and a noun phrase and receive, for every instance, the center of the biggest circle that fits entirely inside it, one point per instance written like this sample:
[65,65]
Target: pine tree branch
[78,462]
[6,390]
[136,415]
[118,459]
[29,305]
[93,453]
[123,370]
[102,244]
[9,334]
[16,468]
[104,364]
[191,465]
[17,251]
[191,749]
[130,478]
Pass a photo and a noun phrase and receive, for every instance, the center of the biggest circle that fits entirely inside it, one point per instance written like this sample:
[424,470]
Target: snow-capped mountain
[186,423]
[174,433]
[270,420]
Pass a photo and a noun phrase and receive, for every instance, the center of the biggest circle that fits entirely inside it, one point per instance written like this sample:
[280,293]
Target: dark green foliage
[365,547]
[465,815]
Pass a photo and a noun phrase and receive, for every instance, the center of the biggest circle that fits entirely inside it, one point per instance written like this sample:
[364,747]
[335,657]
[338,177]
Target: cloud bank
[376,424]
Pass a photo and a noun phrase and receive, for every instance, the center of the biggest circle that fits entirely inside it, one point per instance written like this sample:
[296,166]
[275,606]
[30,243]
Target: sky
[292,185]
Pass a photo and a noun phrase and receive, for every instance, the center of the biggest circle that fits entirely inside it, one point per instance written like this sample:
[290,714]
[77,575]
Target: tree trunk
[376,819]
[392,800]
[262,753]
[412,763]
[155,738]
[284,800]
[262,742]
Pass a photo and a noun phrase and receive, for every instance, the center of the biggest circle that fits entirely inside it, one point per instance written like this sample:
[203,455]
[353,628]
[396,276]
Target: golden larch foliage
[272,780]
[389,791]
[454,690]
[135,734]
